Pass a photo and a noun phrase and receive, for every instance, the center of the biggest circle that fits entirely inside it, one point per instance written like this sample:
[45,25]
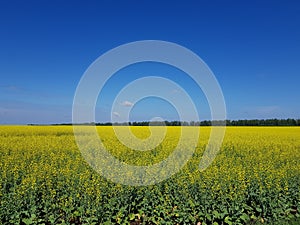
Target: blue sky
[252,47]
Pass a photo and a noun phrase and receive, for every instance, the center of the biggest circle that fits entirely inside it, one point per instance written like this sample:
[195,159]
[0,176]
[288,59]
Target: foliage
[253,122]
[45,180]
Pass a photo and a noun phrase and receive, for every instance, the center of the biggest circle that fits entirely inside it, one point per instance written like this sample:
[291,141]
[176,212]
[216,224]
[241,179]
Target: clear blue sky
[252,47]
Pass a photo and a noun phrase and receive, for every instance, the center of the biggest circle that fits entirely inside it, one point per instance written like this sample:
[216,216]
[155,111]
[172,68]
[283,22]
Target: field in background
[254,179]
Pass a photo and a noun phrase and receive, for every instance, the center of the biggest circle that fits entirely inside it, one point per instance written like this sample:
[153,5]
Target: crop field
[255,179]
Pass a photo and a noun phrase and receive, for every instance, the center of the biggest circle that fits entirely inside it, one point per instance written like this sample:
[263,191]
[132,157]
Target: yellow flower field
[44,179]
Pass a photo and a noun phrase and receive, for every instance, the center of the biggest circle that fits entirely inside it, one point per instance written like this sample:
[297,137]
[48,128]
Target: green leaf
[244,217]
[228,220]
[216,214]
[208,216]
[258,209]
[27,221]
[253,217]
[131,216]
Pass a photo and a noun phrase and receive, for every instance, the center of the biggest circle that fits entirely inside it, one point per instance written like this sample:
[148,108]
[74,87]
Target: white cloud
[116,114]
[127,103]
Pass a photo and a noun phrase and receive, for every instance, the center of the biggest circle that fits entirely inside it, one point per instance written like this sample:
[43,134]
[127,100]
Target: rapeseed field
[255,179]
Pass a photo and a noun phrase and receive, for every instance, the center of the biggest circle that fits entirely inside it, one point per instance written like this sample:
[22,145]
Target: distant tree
[253,122]
[184,123]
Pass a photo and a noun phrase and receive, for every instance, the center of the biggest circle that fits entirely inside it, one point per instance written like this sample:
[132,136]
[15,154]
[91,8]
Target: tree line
[246,122]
